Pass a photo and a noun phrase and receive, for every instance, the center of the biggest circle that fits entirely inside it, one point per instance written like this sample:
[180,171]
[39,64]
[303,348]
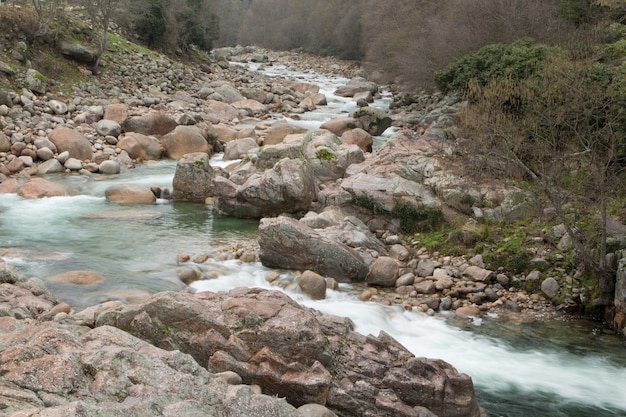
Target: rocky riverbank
[342,220]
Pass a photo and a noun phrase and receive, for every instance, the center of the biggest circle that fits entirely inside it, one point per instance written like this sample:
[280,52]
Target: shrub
[516,61]
[417,218]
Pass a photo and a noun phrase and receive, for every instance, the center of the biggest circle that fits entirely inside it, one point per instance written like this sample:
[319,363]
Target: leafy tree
[175,25]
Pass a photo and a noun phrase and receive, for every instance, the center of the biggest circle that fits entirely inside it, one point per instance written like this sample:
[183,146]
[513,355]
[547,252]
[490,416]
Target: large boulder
[129,194]
[156,123]
[339,125]
[193,179]
[251,107]
[107,127]
[78,52]
[224,111]
[373,121]
[287,243]
[35,81]
[358,137]
[277,132]
[289,187]
[295,353]
[72,141]
[183,140]
[108,372]
[228,93]
[239,148]
[384,272]
[356,85]
[328,156]
[139,146]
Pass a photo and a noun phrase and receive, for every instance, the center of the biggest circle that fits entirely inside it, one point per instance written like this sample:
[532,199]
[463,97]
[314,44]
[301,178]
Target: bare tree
[46,12]
[101,13]
[565,131]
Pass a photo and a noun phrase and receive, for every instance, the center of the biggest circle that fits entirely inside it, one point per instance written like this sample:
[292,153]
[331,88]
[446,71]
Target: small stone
[313,285]
[110,167]
[406,279]
[425,287]
[272,276]
[231,378]
[477,261]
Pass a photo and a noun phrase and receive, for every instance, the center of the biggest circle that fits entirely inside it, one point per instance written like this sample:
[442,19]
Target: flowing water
[568,368]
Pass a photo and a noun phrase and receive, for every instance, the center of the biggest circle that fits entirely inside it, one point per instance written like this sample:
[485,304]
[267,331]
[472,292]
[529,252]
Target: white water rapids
[564,369]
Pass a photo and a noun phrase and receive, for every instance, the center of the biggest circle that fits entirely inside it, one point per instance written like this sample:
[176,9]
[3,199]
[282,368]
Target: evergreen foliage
[516,61]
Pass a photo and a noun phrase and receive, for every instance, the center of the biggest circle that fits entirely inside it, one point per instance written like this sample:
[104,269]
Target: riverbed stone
[57,106]
[239,148]
[117,112]
[73,164]
[477,273]
[224,111]
[278,131]
[425,287]
[356,85]
[340,125]
[41,188]
[289,187]
[110,167]
[106,127]
[155,123]
[140,146]
[77,278]
[45,153]
[384,272]
[193,179]
[373,121]
[314,410]
[251,107]
[468,311]
[70,140]
[129,194]
[184,140]
[313,285]
[358,137]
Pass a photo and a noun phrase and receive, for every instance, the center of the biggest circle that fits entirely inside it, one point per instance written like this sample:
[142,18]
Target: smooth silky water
[132,247]
[570,368]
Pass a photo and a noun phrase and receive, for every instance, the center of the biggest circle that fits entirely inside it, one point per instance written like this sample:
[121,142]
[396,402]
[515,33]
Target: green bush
[417,218]
[516,61]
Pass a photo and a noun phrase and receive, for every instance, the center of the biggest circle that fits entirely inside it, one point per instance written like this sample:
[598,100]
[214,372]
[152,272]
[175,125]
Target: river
[570,367]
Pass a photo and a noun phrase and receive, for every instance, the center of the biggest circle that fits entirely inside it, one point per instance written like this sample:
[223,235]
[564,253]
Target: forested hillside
[402,41]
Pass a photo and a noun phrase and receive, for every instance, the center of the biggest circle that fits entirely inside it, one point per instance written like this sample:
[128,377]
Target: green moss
[324,154]
[368,203]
